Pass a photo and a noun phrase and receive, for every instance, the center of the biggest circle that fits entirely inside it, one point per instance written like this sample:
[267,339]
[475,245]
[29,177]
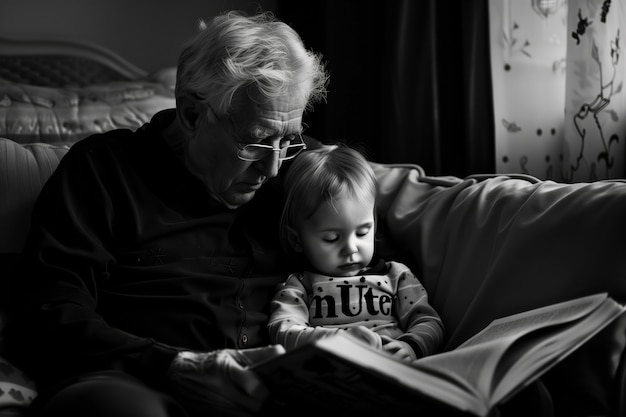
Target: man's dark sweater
[148,263]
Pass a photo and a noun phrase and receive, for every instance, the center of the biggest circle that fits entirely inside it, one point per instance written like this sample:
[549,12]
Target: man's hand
[218,382]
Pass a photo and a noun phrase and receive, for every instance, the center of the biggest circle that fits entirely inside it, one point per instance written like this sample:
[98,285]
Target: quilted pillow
[63,115]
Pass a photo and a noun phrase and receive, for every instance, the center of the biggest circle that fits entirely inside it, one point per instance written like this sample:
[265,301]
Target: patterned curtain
[559,104]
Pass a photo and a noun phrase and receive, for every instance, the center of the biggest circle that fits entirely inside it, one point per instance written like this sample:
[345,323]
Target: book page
[530,359]
[476,360]
[354,371]
[475,365]
[518,324]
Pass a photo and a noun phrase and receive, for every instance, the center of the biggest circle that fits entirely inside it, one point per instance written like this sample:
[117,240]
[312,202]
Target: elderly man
[153,254]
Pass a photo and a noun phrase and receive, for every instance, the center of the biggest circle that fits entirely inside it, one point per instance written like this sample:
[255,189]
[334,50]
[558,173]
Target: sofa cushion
[24,168]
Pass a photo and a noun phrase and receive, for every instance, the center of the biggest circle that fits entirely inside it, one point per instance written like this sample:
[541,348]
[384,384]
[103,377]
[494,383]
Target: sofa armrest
[24,169]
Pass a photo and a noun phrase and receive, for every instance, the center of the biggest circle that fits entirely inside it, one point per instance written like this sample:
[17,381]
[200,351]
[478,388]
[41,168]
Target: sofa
[485,246]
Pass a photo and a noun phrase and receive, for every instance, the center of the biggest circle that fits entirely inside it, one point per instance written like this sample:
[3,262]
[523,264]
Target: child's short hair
[320,176]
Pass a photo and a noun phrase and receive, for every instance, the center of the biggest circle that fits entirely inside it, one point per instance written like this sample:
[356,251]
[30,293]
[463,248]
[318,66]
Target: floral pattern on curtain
[559,104]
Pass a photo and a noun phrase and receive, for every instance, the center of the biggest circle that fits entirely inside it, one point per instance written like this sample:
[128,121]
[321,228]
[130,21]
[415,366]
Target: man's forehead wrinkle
[277,114]
[263,131]
[277,121]
[274,123]
[268,118]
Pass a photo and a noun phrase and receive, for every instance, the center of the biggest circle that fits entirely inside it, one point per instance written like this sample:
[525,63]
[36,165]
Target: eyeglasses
[252,152]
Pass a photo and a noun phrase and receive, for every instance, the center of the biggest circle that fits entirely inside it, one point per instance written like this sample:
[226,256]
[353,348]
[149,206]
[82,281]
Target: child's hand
[365,335]
[400,350]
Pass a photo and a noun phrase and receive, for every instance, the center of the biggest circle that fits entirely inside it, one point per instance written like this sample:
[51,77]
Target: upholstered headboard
[59,92]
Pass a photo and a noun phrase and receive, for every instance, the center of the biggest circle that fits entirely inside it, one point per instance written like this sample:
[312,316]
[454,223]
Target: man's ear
[189,111]
[294,239]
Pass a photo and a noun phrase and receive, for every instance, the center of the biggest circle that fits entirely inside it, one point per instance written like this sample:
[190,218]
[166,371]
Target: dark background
[410,80]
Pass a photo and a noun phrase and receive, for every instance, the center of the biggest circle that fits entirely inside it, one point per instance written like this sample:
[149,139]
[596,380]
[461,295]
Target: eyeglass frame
[241,145]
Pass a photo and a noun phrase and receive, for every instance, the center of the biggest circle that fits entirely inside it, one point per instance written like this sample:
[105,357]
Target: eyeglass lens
[258,152]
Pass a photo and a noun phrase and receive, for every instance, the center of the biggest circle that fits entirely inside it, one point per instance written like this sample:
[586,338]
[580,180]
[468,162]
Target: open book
[341,372]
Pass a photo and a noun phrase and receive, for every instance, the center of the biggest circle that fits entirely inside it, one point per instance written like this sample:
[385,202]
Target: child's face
[339,239]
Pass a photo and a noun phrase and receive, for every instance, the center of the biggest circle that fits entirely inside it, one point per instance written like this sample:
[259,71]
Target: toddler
[329,219]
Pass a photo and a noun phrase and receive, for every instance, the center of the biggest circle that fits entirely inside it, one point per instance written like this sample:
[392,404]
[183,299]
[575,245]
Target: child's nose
[350,247]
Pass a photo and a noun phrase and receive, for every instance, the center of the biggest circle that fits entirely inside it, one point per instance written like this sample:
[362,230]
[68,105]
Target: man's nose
[270,165]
